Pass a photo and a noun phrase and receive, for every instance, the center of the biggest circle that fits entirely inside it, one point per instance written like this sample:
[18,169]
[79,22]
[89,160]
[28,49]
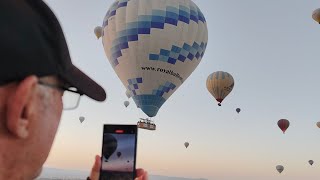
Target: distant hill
[66,174]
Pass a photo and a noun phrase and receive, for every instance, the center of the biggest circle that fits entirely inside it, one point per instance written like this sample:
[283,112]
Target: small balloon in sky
[119,154]
[283,124]
[280,168]
[98,31]
[186,144]
[310,162]
[220,84]
[126,103]
[316,15]
[81,118]
[318,124]
[238,110]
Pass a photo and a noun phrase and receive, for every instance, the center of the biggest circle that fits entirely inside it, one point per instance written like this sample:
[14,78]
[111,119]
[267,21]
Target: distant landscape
[62,174]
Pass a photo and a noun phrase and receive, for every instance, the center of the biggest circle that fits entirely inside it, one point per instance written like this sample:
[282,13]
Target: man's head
[35,71]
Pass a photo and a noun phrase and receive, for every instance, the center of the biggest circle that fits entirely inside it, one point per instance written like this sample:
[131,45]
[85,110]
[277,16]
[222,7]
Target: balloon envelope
[283,124]
[81,118]
[220,84]
[310,162]
[154,46]
[186,144]
[238,110]
[280,168]
[316,15]
[98,31]
[126,103]
[318,124]
[110,144]
[119,154]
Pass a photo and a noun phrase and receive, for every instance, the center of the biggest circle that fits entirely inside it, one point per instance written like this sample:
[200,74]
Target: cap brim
[84,84]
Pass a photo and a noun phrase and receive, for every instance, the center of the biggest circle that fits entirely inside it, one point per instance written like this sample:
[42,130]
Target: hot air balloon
[238,110]
[280,168]
[154,46]
[128,94]
[98,31]
[318,124]
[310,162]
[119,154]
[283,125]
[110,144]
[220,84]
[126,103]
[81,118]
[316,15]
[186,144]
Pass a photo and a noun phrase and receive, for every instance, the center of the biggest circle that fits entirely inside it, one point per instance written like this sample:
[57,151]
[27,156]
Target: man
[35,72]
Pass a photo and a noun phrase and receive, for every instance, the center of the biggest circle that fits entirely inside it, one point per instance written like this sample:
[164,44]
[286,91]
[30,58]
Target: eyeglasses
[71,96]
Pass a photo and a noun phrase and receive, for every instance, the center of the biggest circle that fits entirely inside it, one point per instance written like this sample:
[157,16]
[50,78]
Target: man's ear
[17,119]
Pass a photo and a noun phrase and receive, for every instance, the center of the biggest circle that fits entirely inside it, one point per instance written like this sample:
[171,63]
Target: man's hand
[95,171]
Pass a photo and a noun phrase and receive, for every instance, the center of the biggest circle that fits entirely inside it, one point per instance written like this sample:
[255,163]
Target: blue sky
[271,50]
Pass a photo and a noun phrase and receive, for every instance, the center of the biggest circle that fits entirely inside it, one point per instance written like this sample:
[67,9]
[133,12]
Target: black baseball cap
[32,43]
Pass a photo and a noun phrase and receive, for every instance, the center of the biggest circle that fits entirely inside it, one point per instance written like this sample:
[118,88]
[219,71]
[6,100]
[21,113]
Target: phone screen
[118,152]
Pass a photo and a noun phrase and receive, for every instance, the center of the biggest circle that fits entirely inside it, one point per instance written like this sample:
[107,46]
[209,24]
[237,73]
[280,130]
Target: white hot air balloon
[280,168]
[220,84]
[98,31]
[126,103]
[316,15]
[154,46]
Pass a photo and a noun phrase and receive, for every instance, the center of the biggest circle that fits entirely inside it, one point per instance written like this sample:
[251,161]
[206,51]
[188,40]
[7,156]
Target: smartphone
[119,149]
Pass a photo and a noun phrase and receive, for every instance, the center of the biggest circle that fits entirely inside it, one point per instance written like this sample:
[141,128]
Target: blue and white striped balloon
[154,46]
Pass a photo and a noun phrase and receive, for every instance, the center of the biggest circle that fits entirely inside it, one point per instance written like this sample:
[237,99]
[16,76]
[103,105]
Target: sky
[271,50]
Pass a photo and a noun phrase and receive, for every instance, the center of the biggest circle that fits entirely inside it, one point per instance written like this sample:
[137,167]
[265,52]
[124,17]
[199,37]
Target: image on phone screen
[118,155]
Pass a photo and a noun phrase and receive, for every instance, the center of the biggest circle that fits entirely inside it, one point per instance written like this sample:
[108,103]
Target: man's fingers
[95,171]
[141,174]
[145,176]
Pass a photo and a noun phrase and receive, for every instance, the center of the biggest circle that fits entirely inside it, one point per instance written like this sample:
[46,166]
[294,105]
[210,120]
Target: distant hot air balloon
[110,144]
[316,15]
[238,110]
[318,124]
[98,31]
[220,84]
[126,103]
[310,162]
[128,94]
[119,154]
[154,46]
[128,161]
[81,118]
[186,144]
[280,168]
[283,125]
